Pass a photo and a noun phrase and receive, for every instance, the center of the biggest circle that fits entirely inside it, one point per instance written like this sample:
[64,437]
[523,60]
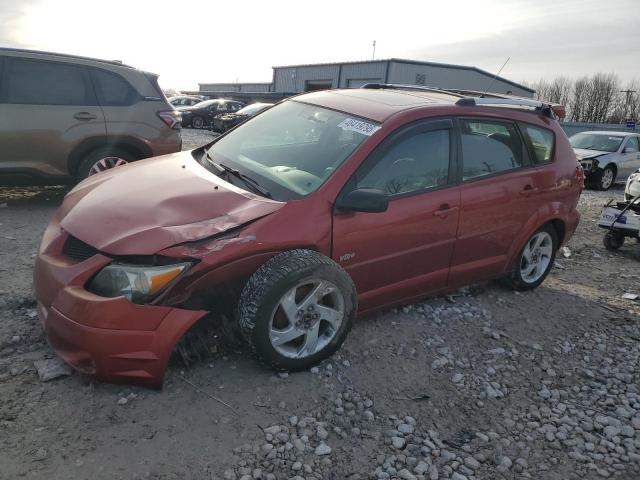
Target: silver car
[606,156]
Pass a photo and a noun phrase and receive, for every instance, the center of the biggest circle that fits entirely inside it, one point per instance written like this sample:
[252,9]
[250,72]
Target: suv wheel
[535,260]
[297,309]
[102,159]
[603,178]
[197,122]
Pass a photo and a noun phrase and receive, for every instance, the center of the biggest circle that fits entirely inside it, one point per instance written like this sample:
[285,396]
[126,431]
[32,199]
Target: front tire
[603,179]
[535,260]
[197,122]
[297,309]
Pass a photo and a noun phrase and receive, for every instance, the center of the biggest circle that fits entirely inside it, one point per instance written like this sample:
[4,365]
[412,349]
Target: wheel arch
[134,146]
[534,224]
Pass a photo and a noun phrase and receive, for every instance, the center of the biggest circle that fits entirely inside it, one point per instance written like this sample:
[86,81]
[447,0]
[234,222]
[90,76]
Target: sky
[194,41]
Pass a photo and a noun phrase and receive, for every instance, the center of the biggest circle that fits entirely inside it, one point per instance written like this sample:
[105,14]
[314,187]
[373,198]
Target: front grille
[76,249]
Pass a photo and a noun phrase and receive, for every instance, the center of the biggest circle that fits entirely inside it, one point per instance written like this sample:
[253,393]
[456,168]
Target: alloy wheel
[536,257]
[106,163]
[306,319]
[607,179]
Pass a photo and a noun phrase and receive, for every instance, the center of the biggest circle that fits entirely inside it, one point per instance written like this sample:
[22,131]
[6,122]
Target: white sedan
[606,156]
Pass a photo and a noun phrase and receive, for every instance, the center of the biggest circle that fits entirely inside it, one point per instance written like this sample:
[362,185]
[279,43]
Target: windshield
[252,109]
[292,148]
[205,103]
[595,141]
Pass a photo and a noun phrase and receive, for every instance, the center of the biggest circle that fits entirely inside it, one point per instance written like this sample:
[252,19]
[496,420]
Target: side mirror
[368,200]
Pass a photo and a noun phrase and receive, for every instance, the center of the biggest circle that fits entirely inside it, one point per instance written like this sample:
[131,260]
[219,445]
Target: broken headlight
[137,283]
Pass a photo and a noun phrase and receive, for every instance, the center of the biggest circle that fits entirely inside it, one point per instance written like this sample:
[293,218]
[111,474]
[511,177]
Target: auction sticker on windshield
[359,126]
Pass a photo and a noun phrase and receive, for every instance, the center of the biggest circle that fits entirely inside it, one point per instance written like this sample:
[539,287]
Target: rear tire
[613,241]
[90,164]
[297,309]
[535,260]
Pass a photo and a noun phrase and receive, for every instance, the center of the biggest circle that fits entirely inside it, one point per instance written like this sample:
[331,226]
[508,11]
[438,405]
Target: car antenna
[494,77]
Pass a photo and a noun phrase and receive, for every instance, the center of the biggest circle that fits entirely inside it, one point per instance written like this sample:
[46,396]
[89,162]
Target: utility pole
[373,57]
[627,102]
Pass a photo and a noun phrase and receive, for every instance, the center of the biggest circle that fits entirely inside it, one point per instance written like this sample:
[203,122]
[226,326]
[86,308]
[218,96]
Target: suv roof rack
[65,55]
[546,109]
[394,86]
[472,98]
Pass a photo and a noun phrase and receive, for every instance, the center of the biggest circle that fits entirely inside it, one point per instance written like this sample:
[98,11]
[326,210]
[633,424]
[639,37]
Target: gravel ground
[483,384]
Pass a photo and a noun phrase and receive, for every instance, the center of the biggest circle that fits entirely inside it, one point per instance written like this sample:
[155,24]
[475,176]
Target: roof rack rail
[64,55]
[545,109]
[395,86]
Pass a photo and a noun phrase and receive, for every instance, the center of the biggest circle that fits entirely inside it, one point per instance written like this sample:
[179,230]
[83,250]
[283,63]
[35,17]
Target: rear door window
[540,142]
[112,89]
[489,147]
[43,83]
[632,145]
[417,162]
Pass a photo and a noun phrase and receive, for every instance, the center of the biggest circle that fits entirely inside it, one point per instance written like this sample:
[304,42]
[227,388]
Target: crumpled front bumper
[112,339]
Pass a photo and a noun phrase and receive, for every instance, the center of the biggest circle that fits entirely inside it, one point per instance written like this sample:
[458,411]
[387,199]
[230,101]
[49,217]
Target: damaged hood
[147,206]
[583,154]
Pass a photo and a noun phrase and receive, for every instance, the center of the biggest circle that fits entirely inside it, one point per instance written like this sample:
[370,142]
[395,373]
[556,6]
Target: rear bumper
[570,226]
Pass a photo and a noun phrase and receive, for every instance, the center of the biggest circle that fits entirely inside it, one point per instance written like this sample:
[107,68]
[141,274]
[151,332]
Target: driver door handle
[84,116]
[445,210]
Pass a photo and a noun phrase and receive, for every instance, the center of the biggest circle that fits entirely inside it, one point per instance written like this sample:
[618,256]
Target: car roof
[611,132]
[376,104]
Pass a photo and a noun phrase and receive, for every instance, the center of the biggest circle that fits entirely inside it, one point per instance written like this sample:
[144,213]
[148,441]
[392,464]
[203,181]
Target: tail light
[580,175]
[172,118]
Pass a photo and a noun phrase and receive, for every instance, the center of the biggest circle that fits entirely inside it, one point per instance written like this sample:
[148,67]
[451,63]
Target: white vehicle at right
[606,156]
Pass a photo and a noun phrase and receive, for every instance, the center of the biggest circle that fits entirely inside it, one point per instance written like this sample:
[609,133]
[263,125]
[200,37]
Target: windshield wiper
[222,168]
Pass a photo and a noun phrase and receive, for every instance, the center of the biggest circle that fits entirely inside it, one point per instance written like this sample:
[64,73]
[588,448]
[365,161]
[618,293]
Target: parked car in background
[226,121]
[325,205]
[184,100]
[606,156]
[201,114]
[632,188]
[64,117]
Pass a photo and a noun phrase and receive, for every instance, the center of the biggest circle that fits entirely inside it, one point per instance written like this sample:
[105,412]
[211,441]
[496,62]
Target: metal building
[235,87]
[292,79]
[304,78]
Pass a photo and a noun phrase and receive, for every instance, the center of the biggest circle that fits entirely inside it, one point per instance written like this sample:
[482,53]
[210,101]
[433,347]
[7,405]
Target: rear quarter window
[112,89]
[540,141]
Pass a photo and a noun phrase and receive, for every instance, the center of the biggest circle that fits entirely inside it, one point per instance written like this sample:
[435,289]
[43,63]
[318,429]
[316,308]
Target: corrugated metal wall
[447,77]
[301,78]
[294,79]
[235,87]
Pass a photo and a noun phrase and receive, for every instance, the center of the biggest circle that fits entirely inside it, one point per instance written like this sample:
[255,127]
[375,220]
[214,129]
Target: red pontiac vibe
[327,205]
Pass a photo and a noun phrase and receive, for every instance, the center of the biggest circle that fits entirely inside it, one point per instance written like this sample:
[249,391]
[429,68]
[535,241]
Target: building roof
[413,62]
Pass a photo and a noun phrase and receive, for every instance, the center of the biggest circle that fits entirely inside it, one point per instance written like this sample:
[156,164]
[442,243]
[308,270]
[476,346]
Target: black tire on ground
[596,179]
[515,280]
[613,240]
[84,167]
[267,286]
[197,122]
